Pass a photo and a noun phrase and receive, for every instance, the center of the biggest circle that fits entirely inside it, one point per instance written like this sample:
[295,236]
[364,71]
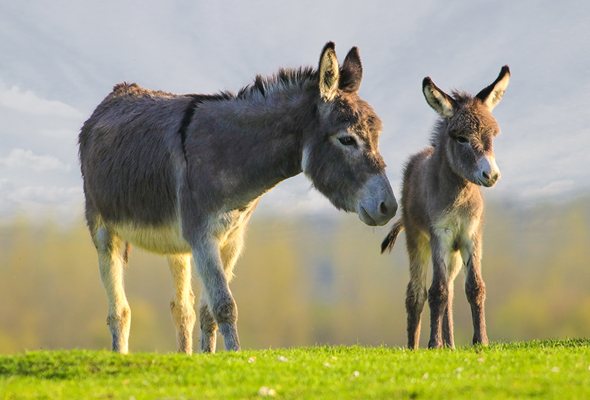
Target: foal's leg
[438,294]
[112,258]
[447,327]
[182,308]
[475,289]
[416,295]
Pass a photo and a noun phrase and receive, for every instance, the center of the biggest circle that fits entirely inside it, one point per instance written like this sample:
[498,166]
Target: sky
[61,58]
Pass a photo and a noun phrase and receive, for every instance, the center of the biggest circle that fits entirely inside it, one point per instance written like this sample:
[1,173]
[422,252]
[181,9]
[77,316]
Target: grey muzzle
[376,203]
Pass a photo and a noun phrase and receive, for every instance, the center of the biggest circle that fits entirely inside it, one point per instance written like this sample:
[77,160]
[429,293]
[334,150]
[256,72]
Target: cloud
[19,158]
[59,133]
[552,189]
[29,102]
[45,194]
[40,201]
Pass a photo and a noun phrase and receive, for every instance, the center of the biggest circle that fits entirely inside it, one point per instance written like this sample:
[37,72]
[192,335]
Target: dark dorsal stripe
[197,99]
[186,121]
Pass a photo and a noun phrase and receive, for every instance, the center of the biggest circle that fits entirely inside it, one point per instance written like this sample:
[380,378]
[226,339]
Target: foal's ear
[492,95]
[329,72]
[441,102]
[351,72]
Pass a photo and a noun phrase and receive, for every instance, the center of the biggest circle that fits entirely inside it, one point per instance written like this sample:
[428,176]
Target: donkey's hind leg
[182,308]
[112,258]
[209,327]
[454,266]
[419,254]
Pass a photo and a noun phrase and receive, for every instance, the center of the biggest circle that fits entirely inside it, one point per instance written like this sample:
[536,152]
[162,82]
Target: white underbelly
[164,239]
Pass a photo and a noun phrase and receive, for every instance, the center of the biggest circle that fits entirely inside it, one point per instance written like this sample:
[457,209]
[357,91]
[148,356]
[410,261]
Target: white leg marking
[182,306]
[111,263]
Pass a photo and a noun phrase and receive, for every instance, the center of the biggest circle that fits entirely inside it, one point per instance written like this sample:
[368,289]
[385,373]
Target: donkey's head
[342,157]
[467,128]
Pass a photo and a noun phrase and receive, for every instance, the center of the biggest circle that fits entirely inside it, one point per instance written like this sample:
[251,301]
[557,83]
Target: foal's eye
[462,139]
[347,140]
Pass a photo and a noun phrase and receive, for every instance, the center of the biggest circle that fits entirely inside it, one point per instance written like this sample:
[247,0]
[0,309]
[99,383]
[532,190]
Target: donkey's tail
[389,240]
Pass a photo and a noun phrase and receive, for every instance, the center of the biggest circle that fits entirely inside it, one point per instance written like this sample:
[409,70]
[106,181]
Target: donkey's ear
[492,95]
[329,72]
[351,72]
[441,102]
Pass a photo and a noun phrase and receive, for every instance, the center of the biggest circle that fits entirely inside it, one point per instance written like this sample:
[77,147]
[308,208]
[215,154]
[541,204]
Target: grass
[547,370]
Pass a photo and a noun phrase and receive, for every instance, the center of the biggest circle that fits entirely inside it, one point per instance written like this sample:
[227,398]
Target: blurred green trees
[301,281]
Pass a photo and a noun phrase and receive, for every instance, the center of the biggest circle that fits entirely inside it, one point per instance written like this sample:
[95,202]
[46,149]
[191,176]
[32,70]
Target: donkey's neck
[446,182]
[279,120]
[251,143]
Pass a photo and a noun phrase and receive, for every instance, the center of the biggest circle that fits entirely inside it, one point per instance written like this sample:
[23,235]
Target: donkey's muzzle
[488,172]
[376,202]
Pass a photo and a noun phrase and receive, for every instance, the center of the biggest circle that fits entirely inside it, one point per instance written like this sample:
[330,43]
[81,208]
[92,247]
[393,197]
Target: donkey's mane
[284,79]
[440,126]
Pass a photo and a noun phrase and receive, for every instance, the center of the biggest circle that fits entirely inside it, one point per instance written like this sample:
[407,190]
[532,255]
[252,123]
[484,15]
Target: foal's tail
[389,240]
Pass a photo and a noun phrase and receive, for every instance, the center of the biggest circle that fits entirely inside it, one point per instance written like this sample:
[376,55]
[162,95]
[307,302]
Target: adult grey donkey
[442,209]
[180,175]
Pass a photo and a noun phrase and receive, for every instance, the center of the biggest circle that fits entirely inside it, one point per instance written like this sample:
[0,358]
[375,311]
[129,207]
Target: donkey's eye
[347,140]
[462,139]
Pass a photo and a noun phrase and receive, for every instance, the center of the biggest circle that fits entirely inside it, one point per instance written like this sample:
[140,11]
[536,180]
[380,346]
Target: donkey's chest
[457,228]
[163,239]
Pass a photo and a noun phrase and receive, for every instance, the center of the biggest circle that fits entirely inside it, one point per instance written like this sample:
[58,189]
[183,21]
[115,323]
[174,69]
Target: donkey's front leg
[447,324]
[475,289]
[453,268]
[438,294]
[220,302]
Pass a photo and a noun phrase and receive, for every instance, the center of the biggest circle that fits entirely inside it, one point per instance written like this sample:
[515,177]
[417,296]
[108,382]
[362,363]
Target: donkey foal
[180,175]
[442,209]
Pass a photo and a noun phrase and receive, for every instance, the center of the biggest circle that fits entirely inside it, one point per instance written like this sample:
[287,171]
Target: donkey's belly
[163,239]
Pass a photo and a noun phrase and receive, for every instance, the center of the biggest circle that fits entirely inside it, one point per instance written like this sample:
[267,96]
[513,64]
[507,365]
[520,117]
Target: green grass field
[547,370]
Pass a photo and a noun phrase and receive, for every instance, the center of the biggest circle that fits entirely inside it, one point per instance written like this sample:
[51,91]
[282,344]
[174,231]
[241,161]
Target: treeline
[301,281]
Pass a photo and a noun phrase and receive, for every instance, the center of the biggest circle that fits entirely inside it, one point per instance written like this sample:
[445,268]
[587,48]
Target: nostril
[485,175]
[383,208]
